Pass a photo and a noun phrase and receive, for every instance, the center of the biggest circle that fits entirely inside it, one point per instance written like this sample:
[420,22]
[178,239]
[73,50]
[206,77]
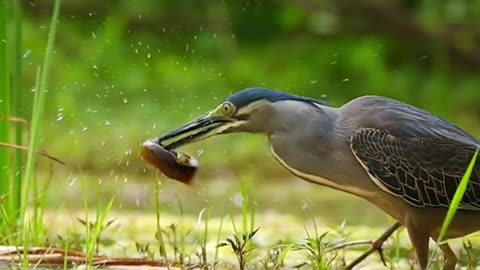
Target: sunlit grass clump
[23,201]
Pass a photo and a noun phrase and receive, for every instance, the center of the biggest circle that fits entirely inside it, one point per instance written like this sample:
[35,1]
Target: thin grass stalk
[219,236]
[37,113]
[245,204]
[26,244]
[39,235]
[6,231]
[88,231]
[457,198]
[234,225]
[253,208]
[159,235]
[4,103]
[66,248]
[205,237]
[182,231]
[29,170]
[17,104]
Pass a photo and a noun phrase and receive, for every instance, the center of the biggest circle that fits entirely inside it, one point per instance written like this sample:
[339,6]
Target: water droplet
[313,81]
[95,67]
[84,128]
[72,182]
[346,80]
[107,123]
[149,55]
[125,100]
[27,53]
[237,199]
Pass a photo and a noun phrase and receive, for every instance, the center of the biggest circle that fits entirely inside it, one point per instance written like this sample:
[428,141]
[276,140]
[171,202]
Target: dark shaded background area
[129,70]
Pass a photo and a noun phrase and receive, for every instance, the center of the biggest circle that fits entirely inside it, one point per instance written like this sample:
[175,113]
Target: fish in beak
[178,166]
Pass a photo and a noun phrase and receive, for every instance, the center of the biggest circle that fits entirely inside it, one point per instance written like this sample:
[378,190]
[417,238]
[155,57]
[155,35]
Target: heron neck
[312,149]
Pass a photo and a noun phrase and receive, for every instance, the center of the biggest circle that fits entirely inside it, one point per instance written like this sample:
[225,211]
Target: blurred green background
[129,70]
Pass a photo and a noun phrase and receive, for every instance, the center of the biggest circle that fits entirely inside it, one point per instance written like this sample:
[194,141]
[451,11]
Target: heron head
[252,110]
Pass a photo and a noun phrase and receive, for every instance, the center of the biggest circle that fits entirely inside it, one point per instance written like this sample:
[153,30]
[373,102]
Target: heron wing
[425,173]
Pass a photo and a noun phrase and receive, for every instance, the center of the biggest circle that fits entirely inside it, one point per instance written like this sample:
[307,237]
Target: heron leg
[376,247]
[450,257]
[420,243]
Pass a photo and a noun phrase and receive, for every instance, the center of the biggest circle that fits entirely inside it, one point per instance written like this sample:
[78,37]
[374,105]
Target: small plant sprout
[317,248]
[144,250]
[93,230]
[97,225]
[174,238]
[277,256]
[240,247]
[471,255]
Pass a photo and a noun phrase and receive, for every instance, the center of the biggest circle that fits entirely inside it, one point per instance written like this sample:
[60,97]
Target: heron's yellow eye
[228,109]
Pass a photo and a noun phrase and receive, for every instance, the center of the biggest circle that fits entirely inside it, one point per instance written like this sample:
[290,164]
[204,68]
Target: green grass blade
[100,225]
[159,233]
[219,236]
[39,105]
[4,101]
[30,155]
[245,204]
[205,234]
[181,228]
[16,102]
[457,198]
[88,231]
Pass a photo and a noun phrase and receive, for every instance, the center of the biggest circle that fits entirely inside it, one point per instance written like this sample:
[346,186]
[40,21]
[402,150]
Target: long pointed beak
[201,128]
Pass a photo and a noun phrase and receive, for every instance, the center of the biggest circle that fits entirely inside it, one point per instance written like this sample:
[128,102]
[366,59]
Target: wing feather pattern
[425,173]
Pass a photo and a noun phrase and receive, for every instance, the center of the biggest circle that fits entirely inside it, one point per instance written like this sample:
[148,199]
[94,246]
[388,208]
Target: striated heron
[400,158]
